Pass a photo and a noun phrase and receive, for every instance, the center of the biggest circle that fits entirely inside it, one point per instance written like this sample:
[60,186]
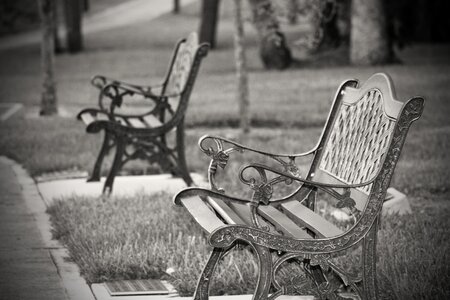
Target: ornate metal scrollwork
[290,166]
[263,188]
[318,276]
[219,158]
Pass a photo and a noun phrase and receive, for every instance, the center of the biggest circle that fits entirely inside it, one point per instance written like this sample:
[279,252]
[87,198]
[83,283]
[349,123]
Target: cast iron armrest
[116,92]
[264,186]
[236,145]
[100,82]
[203,192]
[220,156]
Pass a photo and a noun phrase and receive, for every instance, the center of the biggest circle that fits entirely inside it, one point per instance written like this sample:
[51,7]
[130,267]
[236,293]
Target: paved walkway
[131,12]
[26,267]
[123,186]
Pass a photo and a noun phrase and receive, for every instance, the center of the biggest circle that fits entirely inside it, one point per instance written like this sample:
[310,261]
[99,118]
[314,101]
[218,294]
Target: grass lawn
[139,237]
[143,236]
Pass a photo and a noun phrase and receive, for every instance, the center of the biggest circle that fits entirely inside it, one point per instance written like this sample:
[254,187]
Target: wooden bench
[136,119]
[350,168]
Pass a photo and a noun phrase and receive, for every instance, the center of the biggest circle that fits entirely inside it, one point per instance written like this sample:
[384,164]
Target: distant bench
[275,210]
[141,133]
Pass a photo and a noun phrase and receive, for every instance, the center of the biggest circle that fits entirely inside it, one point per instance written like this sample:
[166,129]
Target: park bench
[137,119]
[275,210]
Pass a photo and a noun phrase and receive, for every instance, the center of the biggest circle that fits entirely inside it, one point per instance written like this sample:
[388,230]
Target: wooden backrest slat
[202,213]
[311,220]
[282,223]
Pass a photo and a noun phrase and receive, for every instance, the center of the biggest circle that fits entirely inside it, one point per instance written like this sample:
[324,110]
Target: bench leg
[264,278]
[202,290]
[95,176]
[117,163]
[182,165]
[265,272]
[369,263]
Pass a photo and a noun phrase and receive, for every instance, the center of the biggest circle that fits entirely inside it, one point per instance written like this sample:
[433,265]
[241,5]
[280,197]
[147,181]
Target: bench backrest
[360,130]
[184,65]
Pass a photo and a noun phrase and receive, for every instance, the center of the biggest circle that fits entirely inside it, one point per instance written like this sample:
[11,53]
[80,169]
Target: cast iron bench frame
[352,163]
[143,135]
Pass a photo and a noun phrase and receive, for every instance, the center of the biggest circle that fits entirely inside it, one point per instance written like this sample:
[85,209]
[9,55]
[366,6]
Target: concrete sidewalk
[27,270]
[128,13]
[123,186]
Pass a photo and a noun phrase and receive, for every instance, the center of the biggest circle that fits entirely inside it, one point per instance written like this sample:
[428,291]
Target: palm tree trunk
[241,68]
[176,7]
[73,17]
[292,13]
[370,42]
[273,49]
[208,26]
[48,98]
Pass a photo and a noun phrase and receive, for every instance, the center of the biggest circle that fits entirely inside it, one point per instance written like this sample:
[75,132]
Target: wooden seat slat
[121,121]
[136,123]
[310,219]
[228,214]
[244,212]
[282,223]
[152,121]
[202,213]
[102,117]
[234,213]
[87,118]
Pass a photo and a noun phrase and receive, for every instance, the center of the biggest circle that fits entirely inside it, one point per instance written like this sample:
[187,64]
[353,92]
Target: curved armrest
[101,81]
[246,148]
[220,156]
[202,192]
[302,180]
[115,90]
[116,93]
[344,199]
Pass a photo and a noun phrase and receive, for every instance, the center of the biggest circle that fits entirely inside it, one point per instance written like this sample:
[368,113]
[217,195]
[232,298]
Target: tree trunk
[208,26]
[241,68]
[176,6]
[86,5]
[370,42]
[327,23]
[292,11]
[74,37]
[56,21]
[48,98]
[273,49]
[343,20]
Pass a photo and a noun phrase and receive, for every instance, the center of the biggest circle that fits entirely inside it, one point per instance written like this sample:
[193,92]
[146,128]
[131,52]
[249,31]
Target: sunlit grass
[145,235]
